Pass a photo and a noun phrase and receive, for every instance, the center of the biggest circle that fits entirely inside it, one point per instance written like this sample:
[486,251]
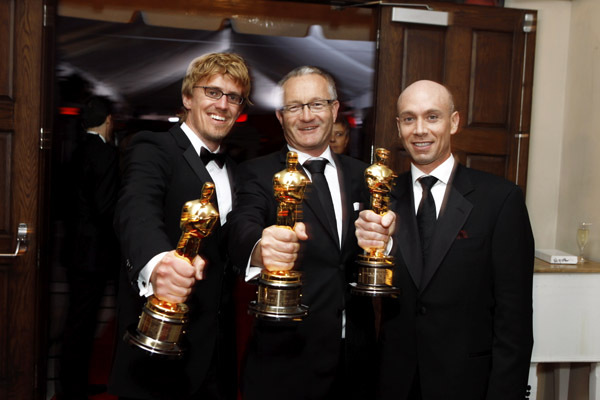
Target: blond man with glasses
[164,170]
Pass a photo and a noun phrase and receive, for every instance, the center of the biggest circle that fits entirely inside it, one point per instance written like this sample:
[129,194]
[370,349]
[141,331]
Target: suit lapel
[231,165]
[345,186]
[407,233]
[195,162]
[192,158]
[453,215]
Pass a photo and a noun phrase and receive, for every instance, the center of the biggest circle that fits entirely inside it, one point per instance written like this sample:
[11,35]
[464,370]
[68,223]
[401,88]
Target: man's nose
[420,126]
[307,114]
[222,102]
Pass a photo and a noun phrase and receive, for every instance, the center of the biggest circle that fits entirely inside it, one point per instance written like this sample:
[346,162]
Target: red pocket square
[462,235]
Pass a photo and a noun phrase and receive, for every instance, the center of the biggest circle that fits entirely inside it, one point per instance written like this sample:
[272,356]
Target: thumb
[300,230]
[387,219]
[199,263]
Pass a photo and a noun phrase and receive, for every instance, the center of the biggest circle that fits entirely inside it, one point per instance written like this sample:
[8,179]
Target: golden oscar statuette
[162,324]
[375,269]
[280,292]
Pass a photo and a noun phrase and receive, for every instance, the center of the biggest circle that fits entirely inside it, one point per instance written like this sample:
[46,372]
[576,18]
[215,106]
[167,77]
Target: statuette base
[278,297]
[160,329]
[375,277]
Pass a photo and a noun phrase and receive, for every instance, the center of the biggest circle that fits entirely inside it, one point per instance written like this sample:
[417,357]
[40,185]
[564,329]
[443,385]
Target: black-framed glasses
[216,93]
[314,106]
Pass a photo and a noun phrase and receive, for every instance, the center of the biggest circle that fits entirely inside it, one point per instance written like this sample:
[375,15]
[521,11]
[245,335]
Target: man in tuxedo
[462,326]
[306,359]
[93,252]
[164,170]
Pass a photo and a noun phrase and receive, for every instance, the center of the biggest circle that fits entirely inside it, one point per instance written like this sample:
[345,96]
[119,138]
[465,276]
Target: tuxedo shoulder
[486,184]
[150,137]
[351,162]
[260,162]
[487,179]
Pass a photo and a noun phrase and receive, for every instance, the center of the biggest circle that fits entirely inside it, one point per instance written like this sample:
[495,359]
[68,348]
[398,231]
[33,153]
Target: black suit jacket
[162,172]
[94,183]
[300,360]
[463,320]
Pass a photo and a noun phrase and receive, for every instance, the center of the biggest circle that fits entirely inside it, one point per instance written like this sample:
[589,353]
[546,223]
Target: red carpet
[102,360]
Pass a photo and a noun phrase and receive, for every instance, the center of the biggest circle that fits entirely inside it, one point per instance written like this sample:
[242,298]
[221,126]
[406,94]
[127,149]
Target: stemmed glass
[583,234]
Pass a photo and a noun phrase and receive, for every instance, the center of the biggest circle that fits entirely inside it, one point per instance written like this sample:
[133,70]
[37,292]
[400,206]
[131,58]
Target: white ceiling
[140,63]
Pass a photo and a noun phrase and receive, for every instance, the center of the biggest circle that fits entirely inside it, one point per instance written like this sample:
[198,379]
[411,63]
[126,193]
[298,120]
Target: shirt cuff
[143,280]
[252,272]
[388,248]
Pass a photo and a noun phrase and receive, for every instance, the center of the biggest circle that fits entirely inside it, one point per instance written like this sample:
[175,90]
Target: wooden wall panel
[493,165]
[418,64]
[491,74]
[6,33]
[5,174]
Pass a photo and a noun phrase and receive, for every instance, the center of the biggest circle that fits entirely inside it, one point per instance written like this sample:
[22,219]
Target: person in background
[318,357]
[93,254]
[340,136]
[162,171]
[461,328]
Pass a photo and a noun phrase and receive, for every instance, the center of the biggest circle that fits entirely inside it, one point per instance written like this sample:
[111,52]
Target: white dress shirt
[438,190]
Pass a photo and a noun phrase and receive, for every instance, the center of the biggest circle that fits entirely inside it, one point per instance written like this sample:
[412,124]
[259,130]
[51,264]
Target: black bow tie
[206,157]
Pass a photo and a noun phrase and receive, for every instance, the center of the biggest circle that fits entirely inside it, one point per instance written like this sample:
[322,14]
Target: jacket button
[422,310]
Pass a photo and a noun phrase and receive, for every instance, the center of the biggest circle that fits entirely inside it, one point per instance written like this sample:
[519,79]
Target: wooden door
[485,56]
[21,197]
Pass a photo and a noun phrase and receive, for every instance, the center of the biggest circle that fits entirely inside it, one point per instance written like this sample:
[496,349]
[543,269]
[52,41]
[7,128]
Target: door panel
[485,58]
[20,104]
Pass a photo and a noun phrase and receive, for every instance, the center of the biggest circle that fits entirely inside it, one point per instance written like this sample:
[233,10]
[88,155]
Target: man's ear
[454,121]
[187,101]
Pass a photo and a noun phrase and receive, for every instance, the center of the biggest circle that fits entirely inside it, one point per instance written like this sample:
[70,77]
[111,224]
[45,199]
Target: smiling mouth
[217,118]
[422,144]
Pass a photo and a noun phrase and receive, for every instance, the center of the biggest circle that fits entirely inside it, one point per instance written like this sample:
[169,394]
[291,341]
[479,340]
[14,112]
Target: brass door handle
[21,241]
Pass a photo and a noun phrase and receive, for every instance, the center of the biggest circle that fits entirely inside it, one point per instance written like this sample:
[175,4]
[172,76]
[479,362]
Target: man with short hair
[164,170]
[93,250]
[461,328]
[310,359]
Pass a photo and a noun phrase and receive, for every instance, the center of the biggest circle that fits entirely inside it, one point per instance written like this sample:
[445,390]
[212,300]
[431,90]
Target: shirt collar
[195,139]
[302,157]
[97,134]
[442,172]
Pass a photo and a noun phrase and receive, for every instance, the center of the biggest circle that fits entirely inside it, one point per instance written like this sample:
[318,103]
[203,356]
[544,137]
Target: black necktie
[206,157]
[316,167]
[426,216]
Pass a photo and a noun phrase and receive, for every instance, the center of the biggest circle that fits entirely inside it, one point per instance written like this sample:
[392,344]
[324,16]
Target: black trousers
[415,389]
[85,294]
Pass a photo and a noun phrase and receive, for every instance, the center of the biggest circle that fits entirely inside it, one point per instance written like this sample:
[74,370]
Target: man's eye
[236,98]
[213,92]
[433,117]
[317,104]
[293,108]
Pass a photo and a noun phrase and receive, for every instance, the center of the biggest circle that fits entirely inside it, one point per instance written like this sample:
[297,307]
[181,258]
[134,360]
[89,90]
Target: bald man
[462,326]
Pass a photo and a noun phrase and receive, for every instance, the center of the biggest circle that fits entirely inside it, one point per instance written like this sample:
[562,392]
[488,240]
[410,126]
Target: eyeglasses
[314,106]
[216,93]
